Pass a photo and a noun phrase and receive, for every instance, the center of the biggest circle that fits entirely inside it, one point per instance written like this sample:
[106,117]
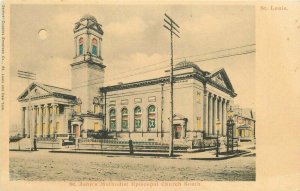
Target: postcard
[100,95]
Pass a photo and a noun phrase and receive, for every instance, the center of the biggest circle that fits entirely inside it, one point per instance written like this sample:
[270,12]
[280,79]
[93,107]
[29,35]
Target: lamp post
[218,123]
[229,133]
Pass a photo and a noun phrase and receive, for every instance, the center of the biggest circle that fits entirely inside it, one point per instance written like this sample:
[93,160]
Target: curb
[153,155]
[221,158]
[23,150]
[116,153]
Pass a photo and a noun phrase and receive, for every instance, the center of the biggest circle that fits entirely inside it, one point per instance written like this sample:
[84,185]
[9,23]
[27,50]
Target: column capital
[215,96]
[46,105]
[54,104]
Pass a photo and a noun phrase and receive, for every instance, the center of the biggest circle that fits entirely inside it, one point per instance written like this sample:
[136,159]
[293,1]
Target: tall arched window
[137,117]
[94,46]
[78,105]
[151,117]
[96,105]
[124,116]
[81,46]
[112,120]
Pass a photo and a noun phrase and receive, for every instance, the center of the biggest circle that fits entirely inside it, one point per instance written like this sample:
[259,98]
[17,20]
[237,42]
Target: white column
[204,126]
[33,120]
[223,117]
[23,122]
[47,124]
[220,114]
[207,110]
[226,108]
[210,114]
[215,114]
[40,121]
[62,126]
[54,118]
[27,121]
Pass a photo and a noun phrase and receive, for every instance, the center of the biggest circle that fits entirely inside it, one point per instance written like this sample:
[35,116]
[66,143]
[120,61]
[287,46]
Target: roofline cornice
[55,95]
[165,79]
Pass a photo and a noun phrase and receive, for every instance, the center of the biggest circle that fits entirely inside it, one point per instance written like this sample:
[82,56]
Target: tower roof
[88,21]
[186,64]
[88,17]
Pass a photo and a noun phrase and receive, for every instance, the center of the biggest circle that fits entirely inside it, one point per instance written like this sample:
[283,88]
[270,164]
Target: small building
[244,119]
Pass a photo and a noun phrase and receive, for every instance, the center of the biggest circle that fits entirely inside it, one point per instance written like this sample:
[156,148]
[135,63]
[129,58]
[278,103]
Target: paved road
[42,165]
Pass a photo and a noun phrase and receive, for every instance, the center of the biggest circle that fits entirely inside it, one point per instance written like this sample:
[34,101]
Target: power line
[166,66]
[230,55]
[222,50]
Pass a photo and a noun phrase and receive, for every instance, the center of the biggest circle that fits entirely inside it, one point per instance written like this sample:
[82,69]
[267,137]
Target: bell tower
[87,66]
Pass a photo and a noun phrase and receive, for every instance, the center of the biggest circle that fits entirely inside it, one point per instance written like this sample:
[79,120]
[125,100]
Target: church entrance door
[178,130]
[76,130]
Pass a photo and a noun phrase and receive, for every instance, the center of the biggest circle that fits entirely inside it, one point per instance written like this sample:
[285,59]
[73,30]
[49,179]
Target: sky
[134,41]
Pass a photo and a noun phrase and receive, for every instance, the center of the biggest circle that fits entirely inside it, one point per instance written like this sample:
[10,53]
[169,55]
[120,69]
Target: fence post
[130,147]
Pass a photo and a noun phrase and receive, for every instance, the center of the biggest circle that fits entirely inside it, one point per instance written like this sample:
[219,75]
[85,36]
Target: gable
[38,92]
[220,78]
[35,91]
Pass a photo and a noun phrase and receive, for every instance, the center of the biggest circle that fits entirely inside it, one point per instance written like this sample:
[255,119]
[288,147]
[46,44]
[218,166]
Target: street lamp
[229,132]
[218,124]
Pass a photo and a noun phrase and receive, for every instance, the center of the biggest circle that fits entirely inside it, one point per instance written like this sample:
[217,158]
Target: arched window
[96,105]
[81,46]
[151,117]
[137,117]
[124,116]
[96,108]
[94,46]
[112,120]
[78,105]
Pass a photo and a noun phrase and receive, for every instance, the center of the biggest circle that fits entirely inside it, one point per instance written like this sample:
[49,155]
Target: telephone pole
[29,76]
[171,26]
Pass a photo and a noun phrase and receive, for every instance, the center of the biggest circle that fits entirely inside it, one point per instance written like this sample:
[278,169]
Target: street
[45,166]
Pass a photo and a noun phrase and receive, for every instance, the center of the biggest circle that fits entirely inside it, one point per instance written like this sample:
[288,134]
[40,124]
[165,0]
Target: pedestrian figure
[34,143]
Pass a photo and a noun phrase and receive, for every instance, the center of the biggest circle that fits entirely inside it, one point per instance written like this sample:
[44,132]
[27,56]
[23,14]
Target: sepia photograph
[132,93]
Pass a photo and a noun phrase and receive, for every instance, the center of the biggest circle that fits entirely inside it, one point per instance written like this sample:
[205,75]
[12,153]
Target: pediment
[219,80]
[220,77]
[35,91]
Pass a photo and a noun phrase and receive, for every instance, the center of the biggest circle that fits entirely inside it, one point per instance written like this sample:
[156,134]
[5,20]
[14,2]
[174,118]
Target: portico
[47,113]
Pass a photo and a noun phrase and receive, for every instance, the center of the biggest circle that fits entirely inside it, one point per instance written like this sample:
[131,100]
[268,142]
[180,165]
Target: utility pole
[171,26]
[29,76]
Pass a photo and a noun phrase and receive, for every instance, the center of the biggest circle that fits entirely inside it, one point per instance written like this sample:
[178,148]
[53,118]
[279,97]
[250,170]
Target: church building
[137,110]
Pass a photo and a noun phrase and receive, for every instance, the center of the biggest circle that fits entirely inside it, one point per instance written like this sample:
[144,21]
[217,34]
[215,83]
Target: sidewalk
[207,155]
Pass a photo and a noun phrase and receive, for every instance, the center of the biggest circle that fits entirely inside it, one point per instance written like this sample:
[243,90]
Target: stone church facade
[137,110]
